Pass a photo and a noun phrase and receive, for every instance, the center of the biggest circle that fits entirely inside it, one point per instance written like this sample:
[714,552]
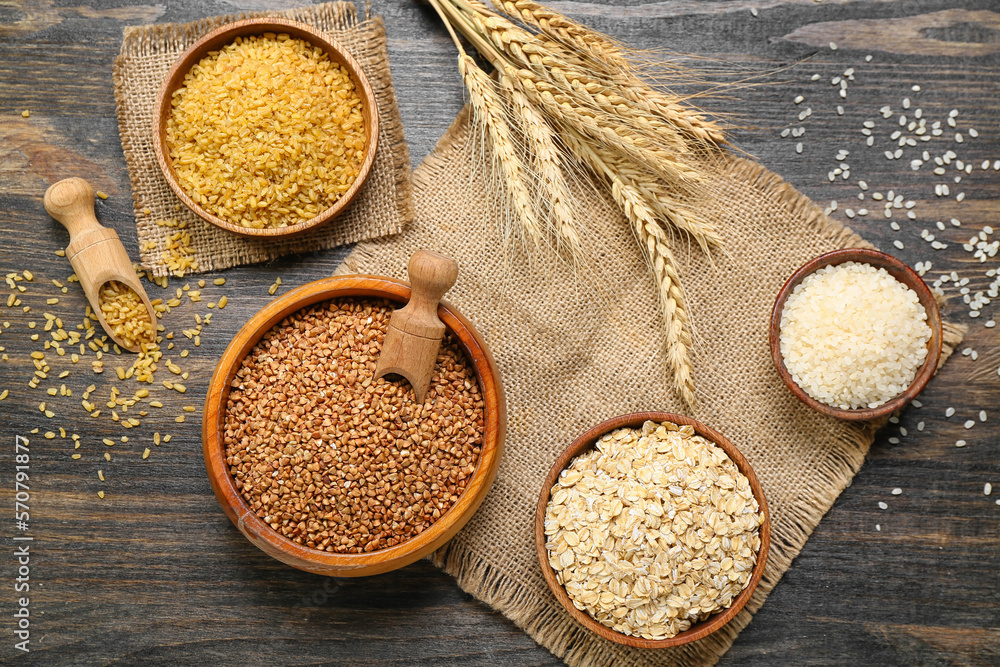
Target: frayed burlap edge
[166,38]
[549,625]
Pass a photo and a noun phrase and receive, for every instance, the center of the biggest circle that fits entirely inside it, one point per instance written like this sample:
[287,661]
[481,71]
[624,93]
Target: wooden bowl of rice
[908,278]
[273,134]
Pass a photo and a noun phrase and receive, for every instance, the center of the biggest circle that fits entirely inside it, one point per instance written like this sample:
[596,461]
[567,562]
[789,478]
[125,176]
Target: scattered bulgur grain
[145,453]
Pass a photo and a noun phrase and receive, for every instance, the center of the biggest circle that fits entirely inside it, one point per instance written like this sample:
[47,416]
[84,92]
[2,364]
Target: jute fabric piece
[570,358]
[383,207]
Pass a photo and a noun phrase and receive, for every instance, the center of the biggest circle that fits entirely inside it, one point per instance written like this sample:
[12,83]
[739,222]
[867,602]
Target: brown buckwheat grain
[335,460]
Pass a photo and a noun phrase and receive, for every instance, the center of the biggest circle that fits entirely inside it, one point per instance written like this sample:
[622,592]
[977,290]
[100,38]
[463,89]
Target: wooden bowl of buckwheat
[330,470]
[652,530]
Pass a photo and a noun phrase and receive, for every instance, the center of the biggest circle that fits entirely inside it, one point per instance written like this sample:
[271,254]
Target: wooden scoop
[96,252]
[415,330]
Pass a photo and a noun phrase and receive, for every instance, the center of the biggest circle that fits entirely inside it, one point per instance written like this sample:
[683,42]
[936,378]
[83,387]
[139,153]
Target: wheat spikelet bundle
[567,101]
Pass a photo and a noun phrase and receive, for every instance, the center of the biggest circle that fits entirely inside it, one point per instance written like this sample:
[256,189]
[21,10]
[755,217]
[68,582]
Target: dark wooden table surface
[154,573]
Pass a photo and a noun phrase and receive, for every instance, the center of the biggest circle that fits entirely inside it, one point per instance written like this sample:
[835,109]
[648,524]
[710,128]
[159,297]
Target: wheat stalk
[619,93]
[653,239]
[687,120]
[665,207]
[602,98]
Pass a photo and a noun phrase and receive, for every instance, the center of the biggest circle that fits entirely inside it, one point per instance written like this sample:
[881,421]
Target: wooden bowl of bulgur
[640,480]
[266,128]
[284,440]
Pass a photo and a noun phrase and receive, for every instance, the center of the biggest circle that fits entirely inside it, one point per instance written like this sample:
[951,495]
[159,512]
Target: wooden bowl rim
[215,40]
[442,530]
[586,441]
[898,270]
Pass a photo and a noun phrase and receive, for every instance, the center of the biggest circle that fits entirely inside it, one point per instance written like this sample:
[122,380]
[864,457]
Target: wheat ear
[606,164]
[625,89]
[688,120]
[551,68]
[653,241]
[548,162]
[489,111]
[676,321]
[597,46]
[665,204]
[637,149]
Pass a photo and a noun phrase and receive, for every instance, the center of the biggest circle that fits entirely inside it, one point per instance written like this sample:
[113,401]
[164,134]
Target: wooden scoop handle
[415,330]
[431,275]
[71,202]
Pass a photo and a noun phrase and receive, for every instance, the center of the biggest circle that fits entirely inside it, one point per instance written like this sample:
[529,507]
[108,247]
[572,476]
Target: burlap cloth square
[383,207]
[570,358]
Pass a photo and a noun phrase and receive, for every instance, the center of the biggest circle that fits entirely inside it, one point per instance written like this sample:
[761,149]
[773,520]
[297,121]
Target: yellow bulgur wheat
[267,132]
[126,314]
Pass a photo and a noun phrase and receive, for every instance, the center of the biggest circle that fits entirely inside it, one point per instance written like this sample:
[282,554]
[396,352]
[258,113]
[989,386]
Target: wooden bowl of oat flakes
[266,127]
[332,471]
[652,530]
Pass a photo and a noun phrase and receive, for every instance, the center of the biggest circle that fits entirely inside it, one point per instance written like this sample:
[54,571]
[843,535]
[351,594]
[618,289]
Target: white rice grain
[852,336]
